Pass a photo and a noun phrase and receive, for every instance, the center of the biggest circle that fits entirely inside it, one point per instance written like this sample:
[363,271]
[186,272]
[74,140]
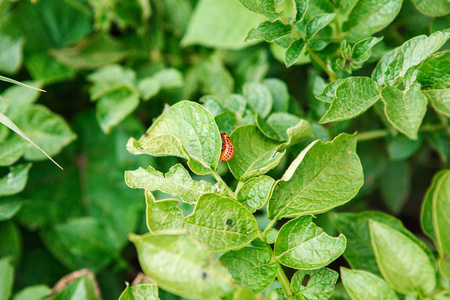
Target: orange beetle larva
[227,148]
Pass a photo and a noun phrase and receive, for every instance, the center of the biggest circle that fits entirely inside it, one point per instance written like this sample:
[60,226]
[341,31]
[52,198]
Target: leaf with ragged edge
[394,253]
[404,109]
[6,278]
[368,17]
[210,25]
[354,96]
[269,31]
[440,210]
[359,252]
[426,215]
[266,8]
[433,8]
[317,23]
[254,193]
[323,176]
[254,153]
[362,285]
[81,243]
[163,215]
[186,130]
[362,50]
[294,51]
[259,98]
[329,92]
[176,182]
[301,244]
[47,129]
[300,9]
[147,291]
[182,266]
[280,93]
[434,78]
[396,63]
[221,223]
[251,267]
[319,283]
[14,182]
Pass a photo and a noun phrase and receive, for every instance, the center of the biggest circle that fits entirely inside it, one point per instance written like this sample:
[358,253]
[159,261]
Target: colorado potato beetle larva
[227,148]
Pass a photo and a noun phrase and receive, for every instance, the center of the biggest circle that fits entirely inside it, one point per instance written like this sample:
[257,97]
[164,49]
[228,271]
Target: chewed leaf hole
[230,223]
[306,280]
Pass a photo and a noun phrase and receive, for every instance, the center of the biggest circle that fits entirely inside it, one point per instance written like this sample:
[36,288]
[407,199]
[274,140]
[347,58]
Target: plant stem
[219,179]
[331,74]
[371,135]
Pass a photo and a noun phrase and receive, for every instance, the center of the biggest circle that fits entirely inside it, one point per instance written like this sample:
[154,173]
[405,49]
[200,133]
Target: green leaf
[354,96]
[394,253]
[212,104]
[47,69]
[221,223]
[226,121]
[12,149]
[84,287]
[186,130]
[440,208]
[35,292]
[302,245]
[254,153]
[355,227]
[6,278]
[426,219]
[363,49]
[396,185]
[181,266]
[294,51]
[319,283]
[259,98]
[277,124]
[21,96]
[317,23]
[14,182]
[8,208]
[94,52]
[365,285]
[266,8]
[396,63]
[215,77]
[163,215]
[434,8]
[269,31]
[81,243]
[323,176]
[176,182]
[280,93]
[147,291]
[329,92]
[148,87]
[404,109]
[236,103]
[370,16]
[434,78]
[110,78]
[401,148]
[169,78]
[11,241]
[210,25]
[47,129]
[251,267]
[300,9]
[10,54]
[254,193]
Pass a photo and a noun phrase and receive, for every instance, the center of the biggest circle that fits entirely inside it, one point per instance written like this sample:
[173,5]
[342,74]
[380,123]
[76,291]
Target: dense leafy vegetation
[338,111]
